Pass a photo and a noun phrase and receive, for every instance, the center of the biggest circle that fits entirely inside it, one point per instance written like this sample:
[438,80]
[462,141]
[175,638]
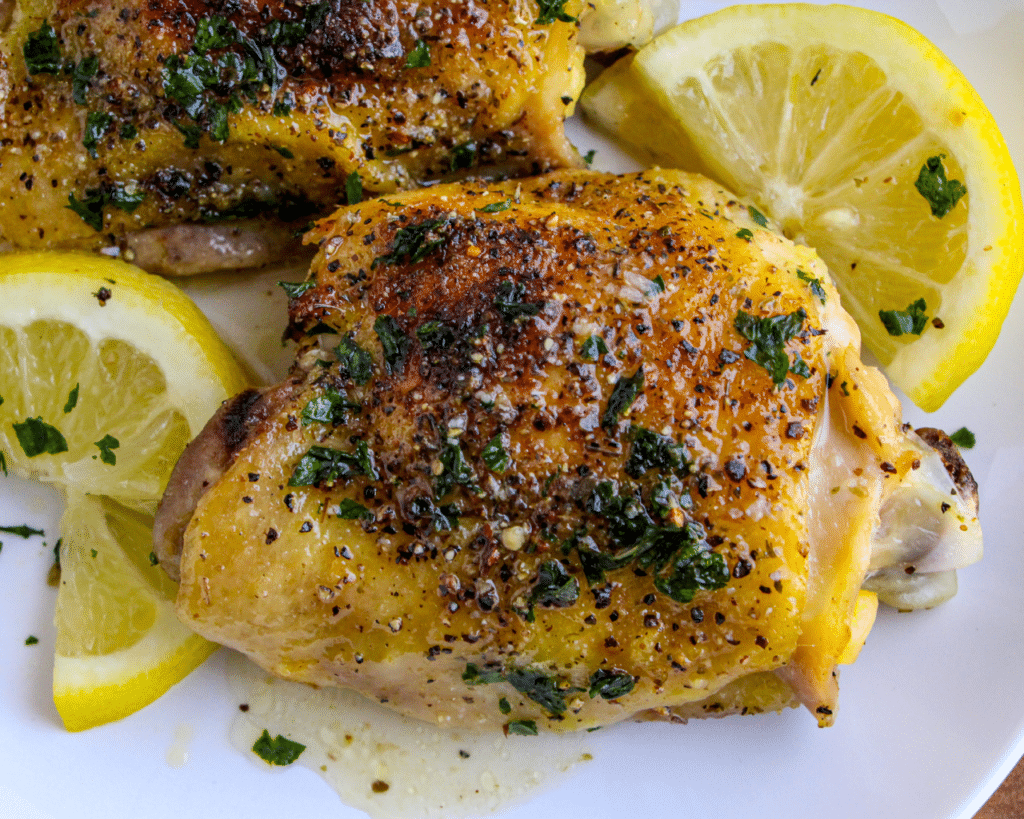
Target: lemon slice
[119,643]
[859,138]
[106,373]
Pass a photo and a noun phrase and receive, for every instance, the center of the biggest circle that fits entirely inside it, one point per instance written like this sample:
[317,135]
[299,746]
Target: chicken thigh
[567,450]
[119,122]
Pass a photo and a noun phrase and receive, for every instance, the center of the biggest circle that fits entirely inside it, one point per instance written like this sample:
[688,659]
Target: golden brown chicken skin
[135,116]
[546,455]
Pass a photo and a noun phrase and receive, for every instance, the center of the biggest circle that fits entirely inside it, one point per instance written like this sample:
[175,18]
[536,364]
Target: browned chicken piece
[568,450]
[121,122]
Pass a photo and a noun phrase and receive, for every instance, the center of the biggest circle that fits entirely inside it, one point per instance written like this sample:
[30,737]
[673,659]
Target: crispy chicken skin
[152,114]
[557,442]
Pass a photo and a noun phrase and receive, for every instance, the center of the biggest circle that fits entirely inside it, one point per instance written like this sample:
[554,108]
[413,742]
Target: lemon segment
[106,373]
[119,643]
[824,117]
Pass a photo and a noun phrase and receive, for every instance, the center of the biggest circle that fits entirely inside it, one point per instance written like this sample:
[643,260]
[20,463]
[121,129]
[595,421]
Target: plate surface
[931,715]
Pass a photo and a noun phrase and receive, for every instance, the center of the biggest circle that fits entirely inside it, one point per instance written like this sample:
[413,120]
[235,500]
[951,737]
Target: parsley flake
[611,684]
[42,51]
[913,320]
[813,283]
[623,395]
[353,361]
[96,125]
[551,10]
[324,466]
[522,727]
[495,456]
[419,57]
[394,342]
[555,587]
[495,207]
[745,234]
[942,194]
[295,289]
[963,438]
[508,301]
[332,407]
[72,399]
[593,348]
[769,336]
[107,444]
[758,217]
[353,189]
[413,243]
[21,531]
[349,509]
[277,751]
[81,75]
[37,437]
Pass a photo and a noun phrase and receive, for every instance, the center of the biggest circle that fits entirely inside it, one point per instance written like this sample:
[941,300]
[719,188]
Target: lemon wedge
[859,138]
[106,373]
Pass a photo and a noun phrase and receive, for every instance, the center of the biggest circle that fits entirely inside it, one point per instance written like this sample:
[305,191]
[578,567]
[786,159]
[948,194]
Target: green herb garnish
[902,322]
[107,444]
[37,437]
[413,243]
[813,283]
[551,10]
[593,348]
[277,751]
[42,51]
[72,399]
[463,156]
[353,361]
[454,470]
[349,509]
[419,57]
[942,194]
[496,207]
[495,456]
[353,188]
[650,450]
[769,336]
[522,727]
[555,587]
[963,438]
[214,32]
[508,301]
[758,217]
[394,342]
[435,335]
[623,395]
[81,76]
[21,531]
[295,289]
[611,684]
[323,466]
[332,407]
[90,209]
[31,640]
[96,125]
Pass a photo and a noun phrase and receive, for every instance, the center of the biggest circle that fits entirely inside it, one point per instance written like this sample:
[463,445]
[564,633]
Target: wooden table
[1008,801]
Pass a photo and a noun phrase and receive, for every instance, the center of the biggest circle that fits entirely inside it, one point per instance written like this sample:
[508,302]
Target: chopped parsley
[295,289]
[454,470]
[128,131]
[353,188]
[349,509]
[21,531]
[588,157]
[758,217]
[623,395]
[474,676]
[72,399]
[963,438]
[508,301]
[504,706]
[323,466]
[96,125]
[107,444]
[394,342]
[31,640]
[90,209]
[332,407]
[650,450]
[38,437]
[813,283]
[42,51]
[551,10]
[214,32]
[913,320]
[611,684]
[444,518]
[555,587]
[463,156]
[768,337]
[413,243]
[745,234]
[419,57]
[353,361]
[277,751]
[496,207]
[495,456]
[435,335]
[941,193]
[285,152]
[593,348]
[81,76]
[522,727]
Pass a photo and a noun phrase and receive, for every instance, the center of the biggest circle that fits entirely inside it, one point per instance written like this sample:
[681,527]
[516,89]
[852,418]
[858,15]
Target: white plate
[931,715]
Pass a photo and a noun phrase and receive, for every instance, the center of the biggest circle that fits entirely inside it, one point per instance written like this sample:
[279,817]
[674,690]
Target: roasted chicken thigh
[120,122]
[571,450]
